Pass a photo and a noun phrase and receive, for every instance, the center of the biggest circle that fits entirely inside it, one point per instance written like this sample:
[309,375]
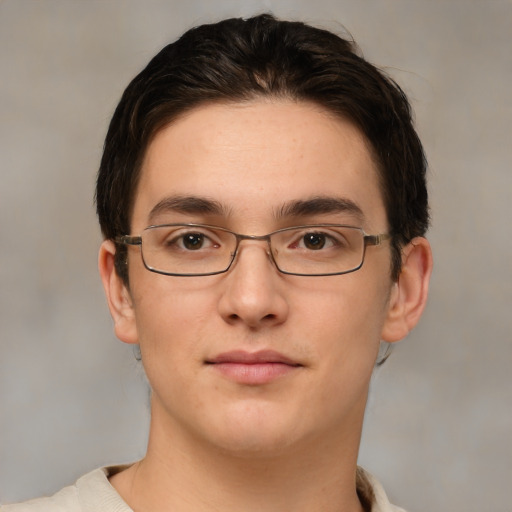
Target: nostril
[233,317]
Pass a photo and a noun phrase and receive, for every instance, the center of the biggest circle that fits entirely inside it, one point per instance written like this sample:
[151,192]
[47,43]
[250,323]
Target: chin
[256,431]
[254,445]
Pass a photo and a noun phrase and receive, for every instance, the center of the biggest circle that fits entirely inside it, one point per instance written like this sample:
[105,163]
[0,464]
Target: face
[255,360]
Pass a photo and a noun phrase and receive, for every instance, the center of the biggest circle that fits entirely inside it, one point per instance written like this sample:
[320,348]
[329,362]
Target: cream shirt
[93,493]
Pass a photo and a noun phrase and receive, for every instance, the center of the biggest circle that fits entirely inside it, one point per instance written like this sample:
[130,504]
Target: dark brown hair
[242,59]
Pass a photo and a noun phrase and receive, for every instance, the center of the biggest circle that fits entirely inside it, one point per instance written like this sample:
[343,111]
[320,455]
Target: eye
[189,241]
[317,239]
[193,241]
[314,241]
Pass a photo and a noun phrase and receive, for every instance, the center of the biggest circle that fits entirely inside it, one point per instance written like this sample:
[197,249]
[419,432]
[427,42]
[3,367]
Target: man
[263,201]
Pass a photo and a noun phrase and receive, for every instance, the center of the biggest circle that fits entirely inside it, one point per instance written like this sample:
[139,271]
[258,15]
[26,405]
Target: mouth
[253,368]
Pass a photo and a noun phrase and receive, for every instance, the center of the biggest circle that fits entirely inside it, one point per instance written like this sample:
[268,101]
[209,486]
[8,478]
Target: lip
[253,368]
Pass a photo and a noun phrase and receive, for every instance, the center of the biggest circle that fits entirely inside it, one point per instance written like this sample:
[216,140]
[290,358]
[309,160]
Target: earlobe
[409,294]
[118,296]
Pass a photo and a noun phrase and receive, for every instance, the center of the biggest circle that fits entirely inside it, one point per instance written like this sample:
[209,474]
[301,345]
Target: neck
[181,473]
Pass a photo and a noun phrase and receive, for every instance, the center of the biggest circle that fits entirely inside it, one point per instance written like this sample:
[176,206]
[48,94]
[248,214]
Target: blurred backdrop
[439,424]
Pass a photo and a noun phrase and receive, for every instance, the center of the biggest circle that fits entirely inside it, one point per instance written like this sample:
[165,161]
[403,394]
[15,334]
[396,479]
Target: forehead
[254,158]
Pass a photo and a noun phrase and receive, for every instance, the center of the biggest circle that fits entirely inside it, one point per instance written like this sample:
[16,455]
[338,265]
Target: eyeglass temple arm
[376,239]
[129,240]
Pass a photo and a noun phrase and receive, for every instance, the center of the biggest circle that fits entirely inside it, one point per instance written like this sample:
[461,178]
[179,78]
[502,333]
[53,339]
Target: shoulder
[65,500]
[90,493]
[372,494]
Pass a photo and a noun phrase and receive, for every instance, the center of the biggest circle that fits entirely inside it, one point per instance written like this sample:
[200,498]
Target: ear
[118,296]
[409,293]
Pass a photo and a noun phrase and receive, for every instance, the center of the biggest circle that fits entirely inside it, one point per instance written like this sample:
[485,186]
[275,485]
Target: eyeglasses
[202,250]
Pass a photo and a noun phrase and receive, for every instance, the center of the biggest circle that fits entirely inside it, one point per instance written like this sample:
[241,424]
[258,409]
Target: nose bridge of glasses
[262,238]
[255,238]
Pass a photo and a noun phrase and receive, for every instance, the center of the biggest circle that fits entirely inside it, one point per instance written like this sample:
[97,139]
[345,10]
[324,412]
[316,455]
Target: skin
[291,442]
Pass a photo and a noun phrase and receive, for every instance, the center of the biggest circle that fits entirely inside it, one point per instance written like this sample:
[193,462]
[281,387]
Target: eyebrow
[196,205]
[191,205]
[319,205]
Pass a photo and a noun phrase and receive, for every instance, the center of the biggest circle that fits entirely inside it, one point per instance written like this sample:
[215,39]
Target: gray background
[439,425]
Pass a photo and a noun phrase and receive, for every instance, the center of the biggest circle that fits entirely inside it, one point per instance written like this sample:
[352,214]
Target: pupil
[193,241]
[314,241]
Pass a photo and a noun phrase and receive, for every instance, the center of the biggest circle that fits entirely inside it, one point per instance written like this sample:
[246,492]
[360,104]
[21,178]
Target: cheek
[345,321]
[171,328]
[171,321]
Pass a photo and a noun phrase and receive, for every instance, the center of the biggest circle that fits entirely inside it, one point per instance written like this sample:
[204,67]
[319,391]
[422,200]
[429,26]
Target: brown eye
[314,241]
[193,241]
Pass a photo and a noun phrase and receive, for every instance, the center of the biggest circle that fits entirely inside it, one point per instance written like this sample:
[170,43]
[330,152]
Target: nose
[253,291]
